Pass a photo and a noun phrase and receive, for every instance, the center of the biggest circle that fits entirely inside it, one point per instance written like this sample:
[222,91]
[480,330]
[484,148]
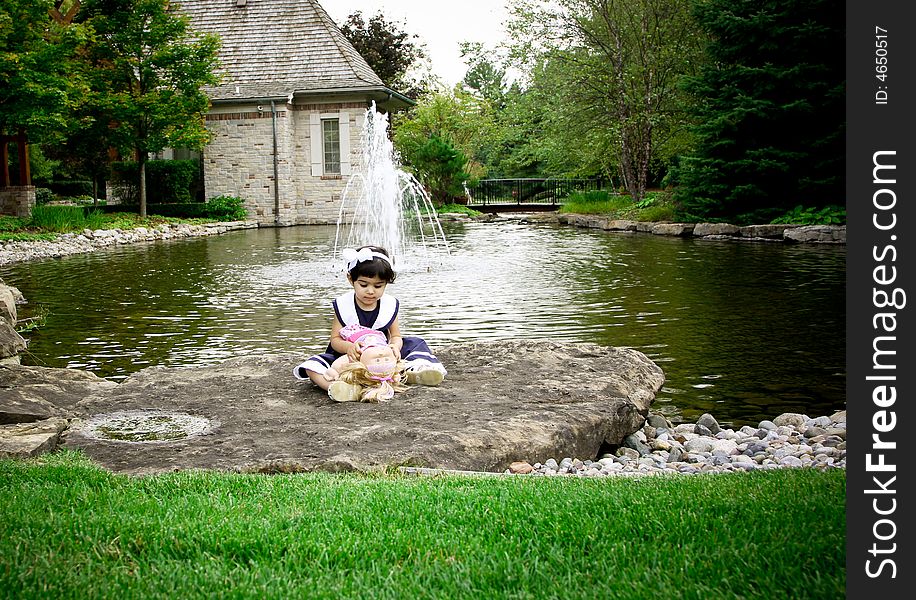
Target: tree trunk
[141,163]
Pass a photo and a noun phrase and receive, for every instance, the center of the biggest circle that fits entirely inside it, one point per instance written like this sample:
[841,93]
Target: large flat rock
[501,402]
[29,394]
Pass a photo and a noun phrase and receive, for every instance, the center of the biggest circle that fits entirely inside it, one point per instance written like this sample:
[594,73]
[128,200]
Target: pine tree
[770,108]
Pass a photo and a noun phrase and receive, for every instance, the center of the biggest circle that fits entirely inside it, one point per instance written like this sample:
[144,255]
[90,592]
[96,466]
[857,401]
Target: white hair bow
[354,257]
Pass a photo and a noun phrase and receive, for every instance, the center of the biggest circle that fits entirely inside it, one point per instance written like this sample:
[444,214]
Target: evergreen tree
[441,167]
[458,120]
[770,108]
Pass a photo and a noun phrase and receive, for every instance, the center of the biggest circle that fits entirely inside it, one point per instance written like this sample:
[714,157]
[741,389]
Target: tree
[41,88]
[458,119]
[148,69]
[85,151]
[770,108]
[390,51]
[623,63]
[441,167]
[539,133]
[484,77]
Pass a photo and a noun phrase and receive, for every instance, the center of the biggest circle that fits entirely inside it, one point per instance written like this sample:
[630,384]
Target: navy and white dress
[414,352]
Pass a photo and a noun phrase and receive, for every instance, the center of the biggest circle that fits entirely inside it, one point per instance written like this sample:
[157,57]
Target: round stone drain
[146,426]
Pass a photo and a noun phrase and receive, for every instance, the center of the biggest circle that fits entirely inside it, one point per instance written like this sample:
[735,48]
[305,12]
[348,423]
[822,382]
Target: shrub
[459,209]
[193,210]
[226,208]
[11,223]
[654,213]
[78,187]
[43,195]
[829,215]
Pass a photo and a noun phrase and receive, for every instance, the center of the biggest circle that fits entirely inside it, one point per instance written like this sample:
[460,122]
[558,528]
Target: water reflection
[743,330]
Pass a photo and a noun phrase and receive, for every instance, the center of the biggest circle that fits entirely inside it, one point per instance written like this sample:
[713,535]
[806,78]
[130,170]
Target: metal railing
[530,191]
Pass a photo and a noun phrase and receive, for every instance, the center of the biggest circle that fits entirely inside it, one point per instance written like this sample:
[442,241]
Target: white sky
[440,24]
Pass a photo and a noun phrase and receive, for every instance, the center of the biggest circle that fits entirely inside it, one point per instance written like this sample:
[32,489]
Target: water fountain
[386,206]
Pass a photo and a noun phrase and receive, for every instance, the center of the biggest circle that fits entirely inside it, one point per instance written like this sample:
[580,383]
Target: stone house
[287,117]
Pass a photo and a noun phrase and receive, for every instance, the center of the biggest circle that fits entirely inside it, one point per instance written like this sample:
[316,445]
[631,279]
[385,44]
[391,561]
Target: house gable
[286,119]
[277,48]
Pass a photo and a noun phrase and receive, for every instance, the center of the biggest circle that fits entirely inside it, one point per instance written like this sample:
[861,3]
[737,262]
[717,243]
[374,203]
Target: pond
[743,330]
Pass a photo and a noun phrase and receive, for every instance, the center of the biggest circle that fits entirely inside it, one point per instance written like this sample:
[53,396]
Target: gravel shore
[90,240]
[791,440]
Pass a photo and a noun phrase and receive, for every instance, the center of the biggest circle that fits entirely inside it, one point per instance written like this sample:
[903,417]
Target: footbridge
[526,195]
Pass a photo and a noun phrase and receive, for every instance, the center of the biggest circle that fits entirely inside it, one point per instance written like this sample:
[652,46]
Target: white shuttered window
[330,143]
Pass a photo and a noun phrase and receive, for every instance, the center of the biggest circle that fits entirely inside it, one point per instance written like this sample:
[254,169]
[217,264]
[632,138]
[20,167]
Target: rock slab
[502,402]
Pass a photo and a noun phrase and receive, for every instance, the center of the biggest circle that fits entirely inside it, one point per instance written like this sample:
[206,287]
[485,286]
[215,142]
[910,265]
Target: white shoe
[425,375]
[341,391]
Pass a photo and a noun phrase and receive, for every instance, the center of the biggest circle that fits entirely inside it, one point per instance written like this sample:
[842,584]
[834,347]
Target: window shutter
[344,143]
[315,144]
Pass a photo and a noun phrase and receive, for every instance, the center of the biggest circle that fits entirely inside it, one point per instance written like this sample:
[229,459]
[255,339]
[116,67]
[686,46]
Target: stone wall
[17,200]
[239,160]
[806,234]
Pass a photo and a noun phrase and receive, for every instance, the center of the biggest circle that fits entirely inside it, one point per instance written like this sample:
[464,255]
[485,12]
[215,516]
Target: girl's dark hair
[376,267]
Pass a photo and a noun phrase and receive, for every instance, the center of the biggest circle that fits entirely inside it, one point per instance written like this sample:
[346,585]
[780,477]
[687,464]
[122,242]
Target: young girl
[369,271]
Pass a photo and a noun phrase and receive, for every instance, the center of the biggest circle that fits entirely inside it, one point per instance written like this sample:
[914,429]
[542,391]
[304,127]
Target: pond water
[744,331]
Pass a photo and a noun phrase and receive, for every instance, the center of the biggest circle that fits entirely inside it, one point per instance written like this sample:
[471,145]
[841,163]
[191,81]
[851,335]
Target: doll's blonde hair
[356,373]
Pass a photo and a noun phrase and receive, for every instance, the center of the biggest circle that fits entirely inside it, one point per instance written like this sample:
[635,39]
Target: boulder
[8,303]
[674,229]
[25,440]
[30,394]
[715,229]
[620,225]
[817,234]
[771,231]
[11,343]
[502,402]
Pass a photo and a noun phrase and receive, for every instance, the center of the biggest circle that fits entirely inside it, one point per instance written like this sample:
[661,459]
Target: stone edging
[90,240]
[810,234]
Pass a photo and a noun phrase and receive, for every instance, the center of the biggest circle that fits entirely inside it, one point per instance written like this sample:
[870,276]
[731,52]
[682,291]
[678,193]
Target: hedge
[69,189]
[189,210]
[167,181]
[221,208]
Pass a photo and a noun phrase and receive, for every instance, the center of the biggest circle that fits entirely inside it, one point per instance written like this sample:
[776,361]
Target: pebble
[791,440]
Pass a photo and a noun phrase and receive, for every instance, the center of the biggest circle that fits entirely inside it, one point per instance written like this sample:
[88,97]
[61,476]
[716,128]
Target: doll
[375,377]
[364,337]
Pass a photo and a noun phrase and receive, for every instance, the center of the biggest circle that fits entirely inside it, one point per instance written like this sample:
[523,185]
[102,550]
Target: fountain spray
[383,205]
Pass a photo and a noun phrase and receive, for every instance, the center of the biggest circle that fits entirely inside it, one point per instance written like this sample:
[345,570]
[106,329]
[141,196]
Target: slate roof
[272,48]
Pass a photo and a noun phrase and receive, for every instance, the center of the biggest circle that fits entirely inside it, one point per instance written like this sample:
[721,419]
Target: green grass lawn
[73,530]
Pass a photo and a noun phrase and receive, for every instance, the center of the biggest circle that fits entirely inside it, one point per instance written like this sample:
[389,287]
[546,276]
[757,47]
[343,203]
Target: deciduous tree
[149,68]
[390,51]
[40,87]
[624,60]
